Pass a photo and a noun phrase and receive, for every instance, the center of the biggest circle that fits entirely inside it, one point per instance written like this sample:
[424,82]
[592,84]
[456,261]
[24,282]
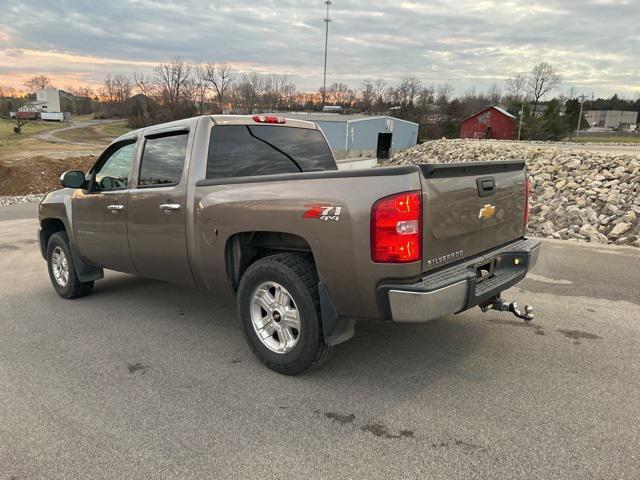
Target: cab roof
[251,120]
[218,120]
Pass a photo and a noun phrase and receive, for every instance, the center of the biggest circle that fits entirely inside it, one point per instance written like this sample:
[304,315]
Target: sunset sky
[594,45]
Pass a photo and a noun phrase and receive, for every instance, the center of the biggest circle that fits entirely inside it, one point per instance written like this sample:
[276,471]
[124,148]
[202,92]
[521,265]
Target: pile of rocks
[576,194]
[12,200]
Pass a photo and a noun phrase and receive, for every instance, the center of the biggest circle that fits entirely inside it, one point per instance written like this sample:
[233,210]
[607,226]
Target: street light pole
[326,43]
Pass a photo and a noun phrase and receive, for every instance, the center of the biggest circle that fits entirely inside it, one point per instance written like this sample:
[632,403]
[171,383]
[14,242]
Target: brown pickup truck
[256,204]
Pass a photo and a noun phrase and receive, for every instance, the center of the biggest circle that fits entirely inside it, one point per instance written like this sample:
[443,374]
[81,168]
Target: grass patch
[9,140]
[31,128]
[81,135]
[115,129]
[607,139]
[98,134]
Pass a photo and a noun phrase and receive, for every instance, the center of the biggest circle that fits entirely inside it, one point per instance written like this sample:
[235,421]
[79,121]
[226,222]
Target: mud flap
[336,329]
[84,272]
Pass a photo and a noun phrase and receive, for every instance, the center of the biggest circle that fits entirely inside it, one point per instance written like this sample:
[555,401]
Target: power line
[327,19]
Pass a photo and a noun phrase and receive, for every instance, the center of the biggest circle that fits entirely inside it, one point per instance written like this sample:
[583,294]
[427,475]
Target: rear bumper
[456,288]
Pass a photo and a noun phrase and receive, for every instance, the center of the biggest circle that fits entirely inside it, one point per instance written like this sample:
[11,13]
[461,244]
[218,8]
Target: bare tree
[379,90]
[289,94]
[201,87]
[340,94]
[517,87]
[443,93]
[121,86]
[144,84]
[143,109]
[393,95]
[116,89]
[367,95]
[426,98]
[37,83]
[81,100]
[275,85]
[107,92]
[408,90]
[541,81]
[494,94]
[248,91]
[173,82]
[7,92]
[221,78]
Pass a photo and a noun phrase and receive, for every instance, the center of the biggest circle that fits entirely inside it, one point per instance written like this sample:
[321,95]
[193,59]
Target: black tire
[296,272]
[73,288]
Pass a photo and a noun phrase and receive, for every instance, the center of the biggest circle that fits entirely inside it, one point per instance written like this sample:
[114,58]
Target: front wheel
[279,309]
[62,270]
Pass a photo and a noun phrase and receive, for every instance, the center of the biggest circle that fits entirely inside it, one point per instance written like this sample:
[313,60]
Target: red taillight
[268,119]
[527,188]
[396,228]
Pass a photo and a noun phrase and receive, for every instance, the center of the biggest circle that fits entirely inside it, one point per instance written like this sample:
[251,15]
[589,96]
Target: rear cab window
[254,150]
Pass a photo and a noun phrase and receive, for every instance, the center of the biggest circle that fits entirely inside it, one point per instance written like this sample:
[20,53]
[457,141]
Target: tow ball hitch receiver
[496,303]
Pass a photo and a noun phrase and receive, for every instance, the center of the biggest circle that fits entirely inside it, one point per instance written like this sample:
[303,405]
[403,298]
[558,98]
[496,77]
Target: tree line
[179,89]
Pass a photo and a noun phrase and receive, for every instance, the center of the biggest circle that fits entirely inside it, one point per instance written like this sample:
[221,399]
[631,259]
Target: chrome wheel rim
[60,267]
[275,317]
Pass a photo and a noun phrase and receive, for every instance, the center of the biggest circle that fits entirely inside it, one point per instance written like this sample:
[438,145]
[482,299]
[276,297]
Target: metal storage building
[612,118]
[355,136]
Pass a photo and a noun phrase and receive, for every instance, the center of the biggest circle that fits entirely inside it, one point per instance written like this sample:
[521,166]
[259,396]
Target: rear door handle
[170,207]
[115,208]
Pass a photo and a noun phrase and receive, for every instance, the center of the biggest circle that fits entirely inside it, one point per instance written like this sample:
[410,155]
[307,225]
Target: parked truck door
[156,218]
[100,213]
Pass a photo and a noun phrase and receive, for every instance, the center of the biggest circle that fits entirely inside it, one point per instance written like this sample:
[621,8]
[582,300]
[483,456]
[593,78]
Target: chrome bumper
[456,288]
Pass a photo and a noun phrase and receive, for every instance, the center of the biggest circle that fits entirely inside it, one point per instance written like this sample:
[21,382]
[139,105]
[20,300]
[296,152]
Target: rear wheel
[279,309]
[62,271]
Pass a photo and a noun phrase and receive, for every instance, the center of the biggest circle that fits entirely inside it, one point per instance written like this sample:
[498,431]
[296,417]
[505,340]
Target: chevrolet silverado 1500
[256,204]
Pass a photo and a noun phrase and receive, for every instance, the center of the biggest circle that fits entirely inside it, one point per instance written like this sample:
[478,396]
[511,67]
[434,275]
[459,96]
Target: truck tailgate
[470,208]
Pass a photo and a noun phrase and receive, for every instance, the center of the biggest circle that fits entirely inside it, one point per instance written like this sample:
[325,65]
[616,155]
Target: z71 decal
[323,212]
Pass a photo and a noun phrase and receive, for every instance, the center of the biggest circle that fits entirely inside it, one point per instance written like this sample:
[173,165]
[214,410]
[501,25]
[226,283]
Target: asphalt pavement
[144,379]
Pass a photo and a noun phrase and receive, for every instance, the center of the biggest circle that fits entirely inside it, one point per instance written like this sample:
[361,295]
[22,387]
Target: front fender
[57,205]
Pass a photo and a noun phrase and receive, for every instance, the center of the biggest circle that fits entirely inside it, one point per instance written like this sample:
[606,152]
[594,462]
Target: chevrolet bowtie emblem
[487,211]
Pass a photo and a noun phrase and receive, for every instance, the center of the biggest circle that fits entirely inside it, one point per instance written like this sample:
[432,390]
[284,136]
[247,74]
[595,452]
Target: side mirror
[72,179]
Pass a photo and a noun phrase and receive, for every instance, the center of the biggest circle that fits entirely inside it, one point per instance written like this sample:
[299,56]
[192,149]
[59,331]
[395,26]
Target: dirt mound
[39,174]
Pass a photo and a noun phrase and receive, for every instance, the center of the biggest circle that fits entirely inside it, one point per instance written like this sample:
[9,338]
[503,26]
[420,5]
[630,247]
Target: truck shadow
[399,357]
[404,356]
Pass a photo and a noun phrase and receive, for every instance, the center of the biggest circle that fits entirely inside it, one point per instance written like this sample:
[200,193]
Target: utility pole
[520,124]
[581,97]
[327,19]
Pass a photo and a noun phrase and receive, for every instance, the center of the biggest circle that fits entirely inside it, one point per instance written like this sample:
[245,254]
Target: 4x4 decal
[323,212]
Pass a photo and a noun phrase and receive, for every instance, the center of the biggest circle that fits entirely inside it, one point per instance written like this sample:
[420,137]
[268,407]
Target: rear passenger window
[163,159]
[248,150]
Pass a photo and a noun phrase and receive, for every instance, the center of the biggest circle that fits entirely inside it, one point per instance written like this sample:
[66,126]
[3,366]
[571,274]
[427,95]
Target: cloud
[466,43]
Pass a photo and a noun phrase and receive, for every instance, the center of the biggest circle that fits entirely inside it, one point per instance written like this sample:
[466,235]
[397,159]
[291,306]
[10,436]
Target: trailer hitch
[496,303]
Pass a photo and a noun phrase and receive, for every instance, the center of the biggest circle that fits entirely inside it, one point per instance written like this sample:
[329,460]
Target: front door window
[114,173]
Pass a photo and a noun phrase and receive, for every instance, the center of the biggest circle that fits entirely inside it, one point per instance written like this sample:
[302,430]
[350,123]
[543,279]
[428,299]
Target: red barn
[492,122]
